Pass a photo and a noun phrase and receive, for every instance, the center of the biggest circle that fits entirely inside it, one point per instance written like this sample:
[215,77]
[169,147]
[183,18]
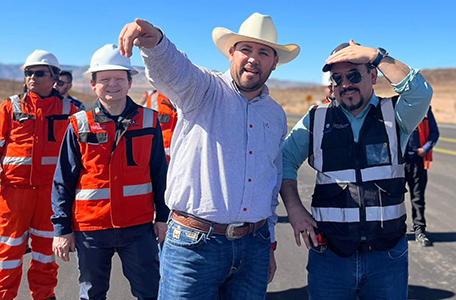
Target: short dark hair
[67,74]
[94,76]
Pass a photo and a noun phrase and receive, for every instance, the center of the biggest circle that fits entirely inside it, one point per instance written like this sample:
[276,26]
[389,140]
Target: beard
[246,85]
[352,107]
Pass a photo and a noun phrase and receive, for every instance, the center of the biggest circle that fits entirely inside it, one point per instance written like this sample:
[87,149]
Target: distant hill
[295,97]
[14,72]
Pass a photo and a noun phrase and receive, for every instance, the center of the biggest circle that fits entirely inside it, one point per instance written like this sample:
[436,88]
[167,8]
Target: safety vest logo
[96,126]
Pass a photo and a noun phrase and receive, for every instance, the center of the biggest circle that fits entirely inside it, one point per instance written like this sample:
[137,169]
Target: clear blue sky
[419,33]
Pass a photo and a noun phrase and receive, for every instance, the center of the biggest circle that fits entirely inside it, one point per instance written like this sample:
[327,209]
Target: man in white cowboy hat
[226,169]
[110,176]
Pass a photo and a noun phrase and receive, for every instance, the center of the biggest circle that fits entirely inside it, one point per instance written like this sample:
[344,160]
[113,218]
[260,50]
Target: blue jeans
[371,275]
[138,252]
[195,265]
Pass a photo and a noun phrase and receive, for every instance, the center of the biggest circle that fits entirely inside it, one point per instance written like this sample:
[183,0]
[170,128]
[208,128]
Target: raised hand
[139,33]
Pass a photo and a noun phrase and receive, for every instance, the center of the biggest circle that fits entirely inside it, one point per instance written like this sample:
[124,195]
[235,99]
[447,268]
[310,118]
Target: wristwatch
[381,53]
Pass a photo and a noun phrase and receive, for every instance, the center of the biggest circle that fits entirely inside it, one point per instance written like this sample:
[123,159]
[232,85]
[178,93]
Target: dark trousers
[416,177]
[138,252]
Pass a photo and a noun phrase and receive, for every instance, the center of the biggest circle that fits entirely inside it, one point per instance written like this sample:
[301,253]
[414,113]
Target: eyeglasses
[38,73]
[353,76]
[61,82]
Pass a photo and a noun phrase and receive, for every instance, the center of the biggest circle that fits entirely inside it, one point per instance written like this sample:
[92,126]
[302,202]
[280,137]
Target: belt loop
[254,228]
[209,233]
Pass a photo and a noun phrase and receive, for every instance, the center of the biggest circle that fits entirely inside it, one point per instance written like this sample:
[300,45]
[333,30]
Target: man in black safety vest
[356,233]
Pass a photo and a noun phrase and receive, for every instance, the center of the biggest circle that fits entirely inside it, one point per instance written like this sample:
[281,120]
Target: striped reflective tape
[136,190]
[42,233]
[319,127]
[49,160]
[336,177]
[382,172]
[335,214]
[66,106]
[45,259]
[10,264]
[385,213]
[351,215]
[389,120]
[148,118]
[13,241]
[92,194]
[2,143]
[9,160]
[83,122]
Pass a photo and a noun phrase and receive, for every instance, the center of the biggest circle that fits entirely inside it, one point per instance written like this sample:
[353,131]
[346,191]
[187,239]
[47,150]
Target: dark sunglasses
[353,76]
[61,82]
[38,73]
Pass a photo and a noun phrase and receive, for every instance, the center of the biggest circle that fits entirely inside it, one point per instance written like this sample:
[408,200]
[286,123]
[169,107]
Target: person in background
[226,166]
[109,182]
[64,85]
[32,126]
[167,115]
[418,159]
[356,233]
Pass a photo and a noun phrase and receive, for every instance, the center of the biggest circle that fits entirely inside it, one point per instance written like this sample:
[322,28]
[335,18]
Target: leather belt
[231,231]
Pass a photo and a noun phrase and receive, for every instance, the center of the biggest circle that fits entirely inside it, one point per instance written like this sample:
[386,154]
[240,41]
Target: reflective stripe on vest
[83,122]
[45,259]
[10,264]
[394,170]
[351,215]
[154,100]
[16,101]
[50,160]
[13,241]
[101,194]
[42,233]
[8,160]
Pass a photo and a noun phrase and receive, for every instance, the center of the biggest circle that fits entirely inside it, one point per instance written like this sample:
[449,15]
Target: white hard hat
[108,58]
[40,58]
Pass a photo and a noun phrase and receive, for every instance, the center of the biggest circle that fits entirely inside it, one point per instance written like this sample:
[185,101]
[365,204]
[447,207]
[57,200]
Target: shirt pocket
[272,137]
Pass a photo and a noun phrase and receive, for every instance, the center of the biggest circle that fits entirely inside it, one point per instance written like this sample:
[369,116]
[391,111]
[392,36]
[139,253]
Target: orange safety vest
[167,115]
[423,129]
[31,132]
[114,188]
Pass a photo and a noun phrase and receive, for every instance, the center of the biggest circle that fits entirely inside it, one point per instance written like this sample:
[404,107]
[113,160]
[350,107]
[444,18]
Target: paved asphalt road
[432,269]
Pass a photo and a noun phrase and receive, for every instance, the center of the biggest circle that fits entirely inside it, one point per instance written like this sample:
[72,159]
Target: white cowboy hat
[257,28]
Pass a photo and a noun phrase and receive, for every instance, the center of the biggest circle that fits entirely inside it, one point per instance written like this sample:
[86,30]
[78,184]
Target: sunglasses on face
[353,76]
[61,82]
[38,73]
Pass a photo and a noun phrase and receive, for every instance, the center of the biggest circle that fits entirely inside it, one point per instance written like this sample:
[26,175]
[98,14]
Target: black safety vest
[359,193]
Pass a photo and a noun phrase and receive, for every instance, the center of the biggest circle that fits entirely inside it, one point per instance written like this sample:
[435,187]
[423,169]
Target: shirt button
[245,208]
[250,152]
[251,126]
[250,180]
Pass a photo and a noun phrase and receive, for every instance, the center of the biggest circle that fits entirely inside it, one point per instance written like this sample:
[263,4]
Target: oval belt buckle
[230,231]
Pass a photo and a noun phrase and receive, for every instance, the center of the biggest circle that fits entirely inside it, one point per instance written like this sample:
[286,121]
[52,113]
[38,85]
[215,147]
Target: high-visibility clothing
[359,192]
[114,189]
[167,115]
[31,132]
[424,132]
